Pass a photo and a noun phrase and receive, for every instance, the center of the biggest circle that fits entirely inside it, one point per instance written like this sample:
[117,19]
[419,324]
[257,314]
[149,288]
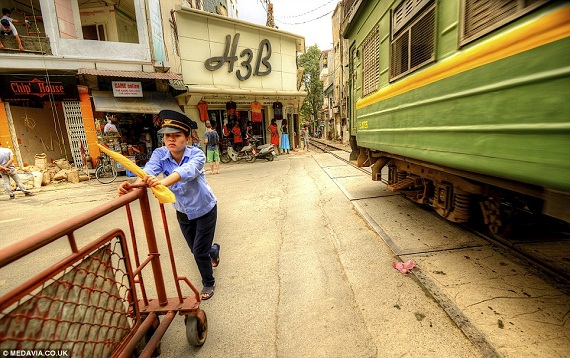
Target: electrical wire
[305,22]
[305,13]
[276,18]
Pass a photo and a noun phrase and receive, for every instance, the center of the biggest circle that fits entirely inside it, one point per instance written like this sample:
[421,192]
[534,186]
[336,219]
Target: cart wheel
[196,329]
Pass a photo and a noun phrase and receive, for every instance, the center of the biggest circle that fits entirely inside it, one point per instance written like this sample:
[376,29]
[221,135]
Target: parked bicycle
[105,171]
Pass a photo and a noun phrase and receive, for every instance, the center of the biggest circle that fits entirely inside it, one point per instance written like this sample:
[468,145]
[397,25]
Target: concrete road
[301,273]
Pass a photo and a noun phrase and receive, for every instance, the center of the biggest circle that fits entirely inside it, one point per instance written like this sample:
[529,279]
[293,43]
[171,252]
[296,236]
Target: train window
[479,17]
[413,46]
[405,12]
[370,62]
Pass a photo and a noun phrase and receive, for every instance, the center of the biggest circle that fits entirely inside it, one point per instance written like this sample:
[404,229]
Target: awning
[151,103]
[130,74]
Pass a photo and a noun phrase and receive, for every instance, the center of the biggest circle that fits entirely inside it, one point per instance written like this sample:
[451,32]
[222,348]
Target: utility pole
[270,19]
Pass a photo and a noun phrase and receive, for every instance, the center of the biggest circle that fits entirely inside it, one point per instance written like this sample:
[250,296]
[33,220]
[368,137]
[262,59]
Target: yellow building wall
[88,123]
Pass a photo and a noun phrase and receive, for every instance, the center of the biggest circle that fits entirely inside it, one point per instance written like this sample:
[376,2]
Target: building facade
[239,72]
[86,63]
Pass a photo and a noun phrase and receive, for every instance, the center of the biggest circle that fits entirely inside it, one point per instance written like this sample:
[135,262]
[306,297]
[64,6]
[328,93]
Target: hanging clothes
[231,108]
[278,110]
[256,115]
[203,109]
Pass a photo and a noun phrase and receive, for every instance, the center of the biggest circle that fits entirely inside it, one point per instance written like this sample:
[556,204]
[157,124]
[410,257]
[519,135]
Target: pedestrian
[195,139]
[7,28]
[238,140]
[182,167]
[305,137]
[248,133]
[148,143]
[285,146]
[110,127]
[212,141]
[7,170]
[274,138]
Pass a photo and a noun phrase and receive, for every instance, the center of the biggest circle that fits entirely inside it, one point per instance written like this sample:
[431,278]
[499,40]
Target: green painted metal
[509,118]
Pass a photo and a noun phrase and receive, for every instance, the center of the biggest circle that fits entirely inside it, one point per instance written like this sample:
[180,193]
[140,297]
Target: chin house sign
[39,88]
[247,64]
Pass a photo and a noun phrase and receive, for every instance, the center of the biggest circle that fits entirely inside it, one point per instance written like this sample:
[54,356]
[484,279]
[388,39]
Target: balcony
[350,9]
[32,44]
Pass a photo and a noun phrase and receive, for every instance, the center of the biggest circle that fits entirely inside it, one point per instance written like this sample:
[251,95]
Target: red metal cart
[88,303]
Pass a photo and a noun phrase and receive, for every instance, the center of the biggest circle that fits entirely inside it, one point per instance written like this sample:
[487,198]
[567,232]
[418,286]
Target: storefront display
[135,135]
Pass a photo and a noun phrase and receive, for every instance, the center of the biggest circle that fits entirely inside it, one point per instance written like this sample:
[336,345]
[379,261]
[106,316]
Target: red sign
[42,88]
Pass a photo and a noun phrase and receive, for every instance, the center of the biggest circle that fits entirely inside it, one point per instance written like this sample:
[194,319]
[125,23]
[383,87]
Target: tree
[312,83]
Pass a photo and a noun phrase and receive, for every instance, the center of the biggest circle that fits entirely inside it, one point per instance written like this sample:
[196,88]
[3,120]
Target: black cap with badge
[175,122]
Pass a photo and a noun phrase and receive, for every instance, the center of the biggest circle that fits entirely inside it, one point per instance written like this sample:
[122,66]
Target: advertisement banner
[127,89]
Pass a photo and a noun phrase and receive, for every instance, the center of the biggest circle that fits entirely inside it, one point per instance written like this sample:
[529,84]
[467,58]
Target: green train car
[467,103]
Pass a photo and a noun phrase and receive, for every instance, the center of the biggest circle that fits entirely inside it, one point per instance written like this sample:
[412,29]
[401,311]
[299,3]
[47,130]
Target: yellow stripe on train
[552,27]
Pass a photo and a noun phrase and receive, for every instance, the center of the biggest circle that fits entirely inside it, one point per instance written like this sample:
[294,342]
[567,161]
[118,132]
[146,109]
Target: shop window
[413,44]
[370,62]
[479,17]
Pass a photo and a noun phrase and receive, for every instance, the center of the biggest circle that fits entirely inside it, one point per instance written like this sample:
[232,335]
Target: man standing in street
[212,141]
[8,170]
[305,137]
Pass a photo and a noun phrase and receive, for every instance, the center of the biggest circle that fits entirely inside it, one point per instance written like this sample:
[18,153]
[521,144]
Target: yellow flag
[162,193]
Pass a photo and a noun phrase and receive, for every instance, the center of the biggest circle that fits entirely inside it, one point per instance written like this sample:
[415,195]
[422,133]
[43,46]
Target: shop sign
[127,89]
[42,88]
[261,67]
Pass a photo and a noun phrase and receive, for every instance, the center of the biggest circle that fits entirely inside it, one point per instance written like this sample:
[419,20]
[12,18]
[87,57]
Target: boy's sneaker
[12,197]
[29,193]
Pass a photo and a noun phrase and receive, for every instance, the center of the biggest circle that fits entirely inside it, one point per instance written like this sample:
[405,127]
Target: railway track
[553,271]
[559,274]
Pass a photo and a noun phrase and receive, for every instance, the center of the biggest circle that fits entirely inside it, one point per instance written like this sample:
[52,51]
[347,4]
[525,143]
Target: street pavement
[301,273]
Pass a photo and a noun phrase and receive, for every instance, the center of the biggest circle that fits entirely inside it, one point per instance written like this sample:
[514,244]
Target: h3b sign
[261,67]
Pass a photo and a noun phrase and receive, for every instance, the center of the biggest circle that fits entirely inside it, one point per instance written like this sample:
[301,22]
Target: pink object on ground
[404,267]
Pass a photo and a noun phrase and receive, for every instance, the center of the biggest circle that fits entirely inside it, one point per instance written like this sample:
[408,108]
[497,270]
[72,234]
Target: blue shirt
[194,197]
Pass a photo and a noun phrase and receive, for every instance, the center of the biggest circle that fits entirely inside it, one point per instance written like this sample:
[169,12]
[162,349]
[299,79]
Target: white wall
[204,36]
[104,51]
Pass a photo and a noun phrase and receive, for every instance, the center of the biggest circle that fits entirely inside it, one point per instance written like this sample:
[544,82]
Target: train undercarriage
[461,196]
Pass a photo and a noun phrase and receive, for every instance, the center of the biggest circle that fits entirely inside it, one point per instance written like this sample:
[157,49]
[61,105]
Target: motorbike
[229,153]
[264,151]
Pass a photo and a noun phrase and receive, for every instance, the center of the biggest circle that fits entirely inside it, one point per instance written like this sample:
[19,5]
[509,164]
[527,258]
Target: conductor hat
[173,122]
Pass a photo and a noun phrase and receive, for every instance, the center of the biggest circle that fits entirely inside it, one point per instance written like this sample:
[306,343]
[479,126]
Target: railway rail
[554,230]
[545,267]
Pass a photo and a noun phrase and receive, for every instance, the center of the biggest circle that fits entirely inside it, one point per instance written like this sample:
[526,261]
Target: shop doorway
[134,135]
